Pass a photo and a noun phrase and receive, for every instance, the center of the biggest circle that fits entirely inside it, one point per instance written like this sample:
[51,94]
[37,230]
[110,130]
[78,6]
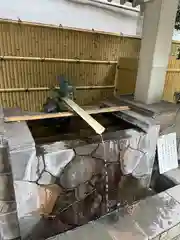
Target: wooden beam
[62,114]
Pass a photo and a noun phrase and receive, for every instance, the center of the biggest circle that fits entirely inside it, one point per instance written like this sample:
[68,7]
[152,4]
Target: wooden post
[9,223]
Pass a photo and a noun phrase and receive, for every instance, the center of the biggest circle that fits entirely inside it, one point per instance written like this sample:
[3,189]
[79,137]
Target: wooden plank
[62,114]
[98,128]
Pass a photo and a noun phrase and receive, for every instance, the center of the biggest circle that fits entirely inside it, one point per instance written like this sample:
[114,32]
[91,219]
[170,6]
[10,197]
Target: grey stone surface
[21,142]
[154,108]
[86,232]
[156,214]
[17,133]
[162,112]
[171,233]
[156,218]
[9,223]
[6,187]
[18,136]
[177,238]
[173,175]
[28,224]
[132,116]
[174,192]
[106,229]
[122,227]
[19,161]
[46,178]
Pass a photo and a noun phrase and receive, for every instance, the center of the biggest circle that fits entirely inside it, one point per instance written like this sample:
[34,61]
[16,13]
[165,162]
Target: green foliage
[177,23]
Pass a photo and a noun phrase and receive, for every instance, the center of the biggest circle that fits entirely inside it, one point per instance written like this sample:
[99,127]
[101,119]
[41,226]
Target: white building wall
[71,13]
[74,13]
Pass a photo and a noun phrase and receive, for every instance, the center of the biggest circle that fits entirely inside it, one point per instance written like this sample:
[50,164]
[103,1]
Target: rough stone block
[20,160]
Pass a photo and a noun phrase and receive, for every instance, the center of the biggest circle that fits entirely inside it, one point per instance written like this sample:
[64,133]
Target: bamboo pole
[116,78]
[98,128]
[9,223]
[42,59]
[48,88]
[94,87]
[173,70]
[63,114]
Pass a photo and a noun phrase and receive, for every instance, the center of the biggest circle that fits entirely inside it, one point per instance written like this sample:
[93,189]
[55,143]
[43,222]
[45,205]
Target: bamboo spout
[98,128]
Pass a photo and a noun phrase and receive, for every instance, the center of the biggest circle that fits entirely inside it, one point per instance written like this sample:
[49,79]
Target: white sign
[167,152]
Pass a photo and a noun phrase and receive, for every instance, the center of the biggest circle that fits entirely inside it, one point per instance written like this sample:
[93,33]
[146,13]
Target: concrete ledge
[156,218]
[157,215]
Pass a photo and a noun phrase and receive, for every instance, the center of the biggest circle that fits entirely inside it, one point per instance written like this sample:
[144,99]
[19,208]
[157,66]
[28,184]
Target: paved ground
[177,238]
